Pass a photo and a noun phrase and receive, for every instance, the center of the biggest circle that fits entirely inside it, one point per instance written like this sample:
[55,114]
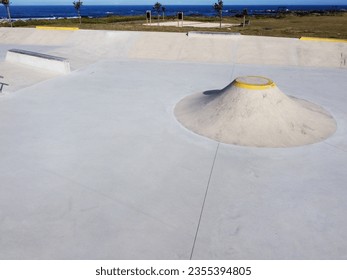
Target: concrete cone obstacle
[252,111]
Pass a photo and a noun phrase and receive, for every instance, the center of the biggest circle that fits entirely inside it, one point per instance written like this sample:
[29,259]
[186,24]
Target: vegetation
[163,9]
[218,7]
[289,25]
[78,4]
[157,7]
[6,3]
[244,13]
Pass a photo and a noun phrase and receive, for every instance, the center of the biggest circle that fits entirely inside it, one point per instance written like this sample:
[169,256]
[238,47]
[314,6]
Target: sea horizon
[19,12]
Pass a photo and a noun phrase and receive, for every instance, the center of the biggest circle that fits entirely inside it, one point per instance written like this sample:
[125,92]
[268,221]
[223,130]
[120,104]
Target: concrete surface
[94,165]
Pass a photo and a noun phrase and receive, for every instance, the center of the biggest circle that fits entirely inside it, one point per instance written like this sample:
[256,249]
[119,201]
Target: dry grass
[296,26]
[328,26]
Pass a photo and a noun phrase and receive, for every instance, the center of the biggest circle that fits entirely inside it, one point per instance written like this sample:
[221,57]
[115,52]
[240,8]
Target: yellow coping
[256,85]
[323,39]
[57,28]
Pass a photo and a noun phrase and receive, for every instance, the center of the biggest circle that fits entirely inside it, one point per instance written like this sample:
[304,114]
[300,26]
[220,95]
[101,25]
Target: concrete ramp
[253,111]
[180,47]
[290,52]
[39,60]
[205,47]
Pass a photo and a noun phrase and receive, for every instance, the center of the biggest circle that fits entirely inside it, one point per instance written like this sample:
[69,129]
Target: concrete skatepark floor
[94,164]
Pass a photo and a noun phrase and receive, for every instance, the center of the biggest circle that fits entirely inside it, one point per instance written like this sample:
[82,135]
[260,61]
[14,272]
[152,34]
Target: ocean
[49,11]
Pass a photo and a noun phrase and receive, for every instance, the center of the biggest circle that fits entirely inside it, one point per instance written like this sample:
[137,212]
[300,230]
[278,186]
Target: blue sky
[180,2]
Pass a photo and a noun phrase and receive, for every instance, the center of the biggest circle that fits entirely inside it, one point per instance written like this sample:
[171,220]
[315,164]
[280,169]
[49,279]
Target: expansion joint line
[203,203]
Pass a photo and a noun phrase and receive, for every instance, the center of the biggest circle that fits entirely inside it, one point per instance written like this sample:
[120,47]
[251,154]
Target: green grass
[326,26]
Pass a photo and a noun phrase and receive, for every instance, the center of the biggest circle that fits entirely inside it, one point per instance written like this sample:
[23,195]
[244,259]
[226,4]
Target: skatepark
[99,161]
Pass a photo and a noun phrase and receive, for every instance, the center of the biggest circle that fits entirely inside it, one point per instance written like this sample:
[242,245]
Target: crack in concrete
[203,203]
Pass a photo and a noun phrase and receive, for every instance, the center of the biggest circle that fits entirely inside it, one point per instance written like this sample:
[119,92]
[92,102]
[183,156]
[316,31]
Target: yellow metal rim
[57,28]
[323,39]
[245,85]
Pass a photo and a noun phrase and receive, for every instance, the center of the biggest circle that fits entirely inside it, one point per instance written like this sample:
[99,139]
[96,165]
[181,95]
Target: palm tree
[6,3]
[163,9]
[78,4]
[157,7]
[218,7]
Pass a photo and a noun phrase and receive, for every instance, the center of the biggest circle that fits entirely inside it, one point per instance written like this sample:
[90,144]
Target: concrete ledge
[206,33]
[57,28]
[43,61]
[323,39]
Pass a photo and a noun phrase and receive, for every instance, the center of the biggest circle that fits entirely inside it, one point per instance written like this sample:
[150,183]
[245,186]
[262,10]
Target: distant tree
[6,3]
[157,7]
[218,7]
[78,5]
[244,13]
[163,10]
